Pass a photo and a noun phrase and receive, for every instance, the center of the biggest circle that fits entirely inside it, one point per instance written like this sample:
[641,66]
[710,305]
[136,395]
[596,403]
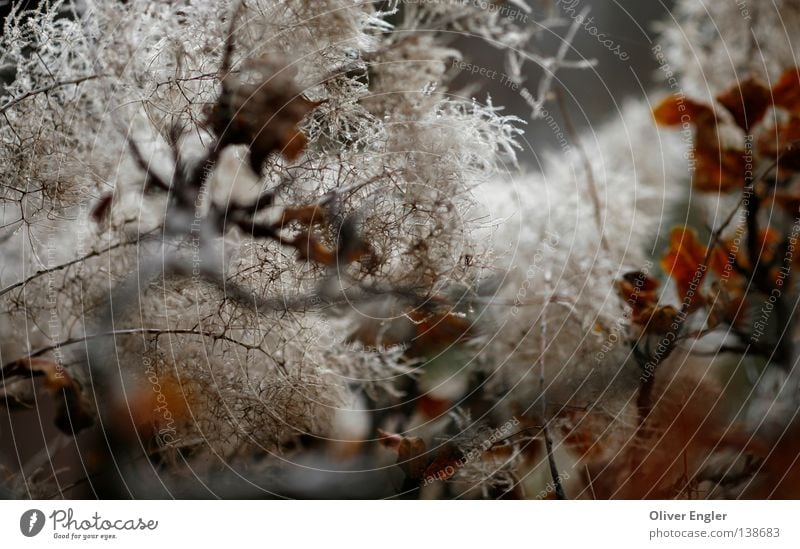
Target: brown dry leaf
[664,457]
[639,291]
[747,102]
[718,170]
[591,436]
[445,463]
[675,110]
[657,320]
[74,411]
[682,261]
[786,93]
[437,331]
[310,249]
[389,440]
[263,115]
[415,460]
[412,457]
[305,215]
[432,407]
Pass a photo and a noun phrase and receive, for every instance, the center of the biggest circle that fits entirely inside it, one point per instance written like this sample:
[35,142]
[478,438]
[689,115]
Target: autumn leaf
[683,259]
[264,115]
[417,462]
[437,331]
[786,93]
[657,320]
[446,462]
[73,410]
[717,168]
[665,455]
[412,457]
[747,102]
[676,110]
[432,407]
[389,440]
[161,400]
[638,290]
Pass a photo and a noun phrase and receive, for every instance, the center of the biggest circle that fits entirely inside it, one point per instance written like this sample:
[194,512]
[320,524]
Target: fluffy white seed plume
[712,44]
[562,266]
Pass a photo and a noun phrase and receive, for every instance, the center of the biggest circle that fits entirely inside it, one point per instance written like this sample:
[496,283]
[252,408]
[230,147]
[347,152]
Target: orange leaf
[156,403]
[432,407]
[293,143]
[310,249]
[638,290]
[676,110]
[683,259]
[718,170]
[657,320]
[786,93]
[747,102]
[684,429]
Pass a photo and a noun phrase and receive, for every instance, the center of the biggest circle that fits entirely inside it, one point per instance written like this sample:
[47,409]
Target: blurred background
[593,95]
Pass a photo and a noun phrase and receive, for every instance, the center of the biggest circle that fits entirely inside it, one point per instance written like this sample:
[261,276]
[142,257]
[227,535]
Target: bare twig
[126,332]
[548,440]
[51,87]
[587,165]
[139,238]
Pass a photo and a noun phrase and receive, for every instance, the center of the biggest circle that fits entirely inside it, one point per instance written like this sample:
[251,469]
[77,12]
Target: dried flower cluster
[249,246]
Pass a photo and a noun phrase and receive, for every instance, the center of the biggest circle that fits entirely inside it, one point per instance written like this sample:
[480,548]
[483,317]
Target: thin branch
[548,440]
[51,87]
[90,255]
[131,331]
[553,64]
[587,165]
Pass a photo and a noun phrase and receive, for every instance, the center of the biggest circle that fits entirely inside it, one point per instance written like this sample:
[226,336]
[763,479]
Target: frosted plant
[712,44]
[251,214]
[250,245]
